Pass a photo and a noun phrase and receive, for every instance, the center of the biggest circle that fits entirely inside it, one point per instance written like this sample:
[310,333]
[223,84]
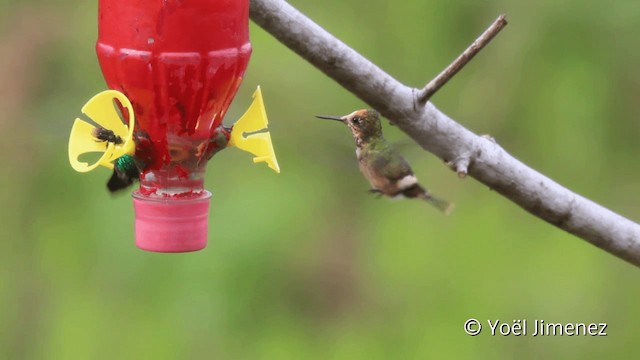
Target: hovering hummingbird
[384,167]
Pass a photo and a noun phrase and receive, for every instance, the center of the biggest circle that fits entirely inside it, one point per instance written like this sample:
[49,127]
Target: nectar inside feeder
[173,67]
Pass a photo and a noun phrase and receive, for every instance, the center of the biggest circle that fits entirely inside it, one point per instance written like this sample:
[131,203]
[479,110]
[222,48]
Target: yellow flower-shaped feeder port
[103,111]
[244,136]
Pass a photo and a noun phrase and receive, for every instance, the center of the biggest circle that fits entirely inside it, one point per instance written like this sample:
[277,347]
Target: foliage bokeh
[306,264]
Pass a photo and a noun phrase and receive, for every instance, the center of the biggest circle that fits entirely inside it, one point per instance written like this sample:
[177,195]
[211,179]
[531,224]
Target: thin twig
[434,85]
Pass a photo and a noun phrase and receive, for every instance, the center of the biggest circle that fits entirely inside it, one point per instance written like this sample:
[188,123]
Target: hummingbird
[381,164]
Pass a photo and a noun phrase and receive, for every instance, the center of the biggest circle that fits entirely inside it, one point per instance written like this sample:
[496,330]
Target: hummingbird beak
[337,118]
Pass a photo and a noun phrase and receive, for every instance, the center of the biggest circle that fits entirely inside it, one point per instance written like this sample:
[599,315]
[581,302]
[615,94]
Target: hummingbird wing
[387,170]
[398,177]
[393,165]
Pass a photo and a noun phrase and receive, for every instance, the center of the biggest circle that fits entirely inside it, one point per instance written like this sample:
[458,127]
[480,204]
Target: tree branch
[450,71]
[480,157]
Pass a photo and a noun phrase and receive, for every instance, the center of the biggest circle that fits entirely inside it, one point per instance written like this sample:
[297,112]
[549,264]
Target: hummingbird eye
[356,120]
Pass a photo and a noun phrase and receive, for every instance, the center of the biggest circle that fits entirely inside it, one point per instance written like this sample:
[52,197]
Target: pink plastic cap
[171,225]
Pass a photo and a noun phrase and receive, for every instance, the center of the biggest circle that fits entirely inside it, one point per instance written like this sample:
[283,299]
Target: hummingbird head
[364,124]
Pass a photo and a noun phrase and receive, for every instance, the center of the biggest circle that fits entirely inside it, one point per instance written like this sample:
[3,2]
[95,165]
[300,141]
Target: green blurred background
[306,264]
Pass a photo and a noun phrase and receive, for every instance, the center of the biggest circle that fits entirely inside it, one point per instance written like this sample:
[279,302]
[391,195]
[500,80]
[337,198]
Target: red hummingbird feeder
[179,63]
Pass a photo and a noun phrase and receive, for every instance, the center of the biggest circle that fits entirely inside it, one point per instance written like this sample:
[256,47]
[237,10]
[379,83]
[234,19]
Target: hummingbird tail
[442,205]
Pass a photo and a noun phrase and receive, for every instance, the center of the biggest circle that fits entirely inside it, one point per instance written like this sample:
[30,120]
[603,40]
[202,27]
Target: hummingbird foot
[377,192]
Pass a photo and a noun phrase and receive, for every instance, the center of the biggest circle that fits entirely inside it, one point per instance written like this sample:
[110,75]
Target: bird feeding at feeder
[173,68]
